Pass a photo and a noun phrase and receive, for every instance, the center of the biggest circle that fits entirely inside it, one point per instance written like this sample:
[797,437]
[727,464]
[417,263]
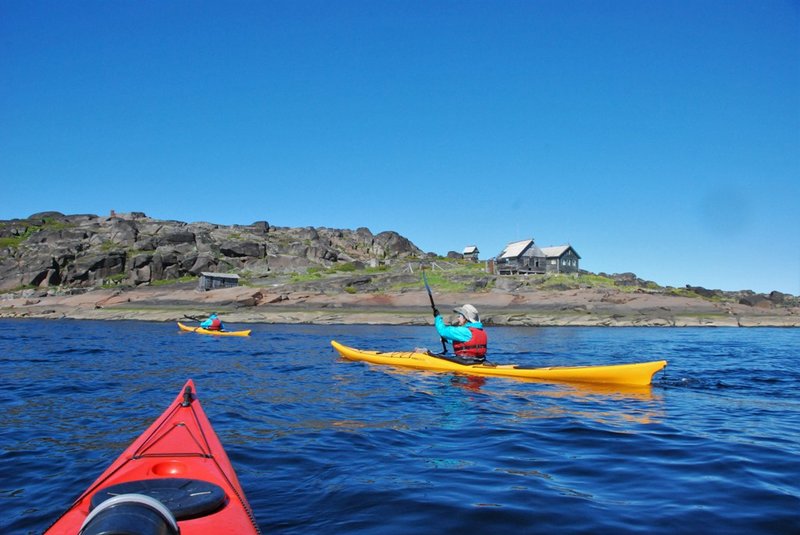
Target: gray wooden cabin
[524,257]
[471,252]
[562,259]
[520,257]
[213,281]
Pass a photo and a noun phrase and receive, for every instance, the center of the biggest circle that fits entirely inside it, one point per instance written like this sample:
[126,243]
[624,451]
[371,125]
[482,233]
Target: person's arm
[452,332]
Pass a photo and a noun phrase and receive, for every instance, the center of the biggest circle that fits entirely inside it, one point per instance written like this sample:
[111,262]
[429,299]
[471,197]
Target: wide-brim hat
[469,312]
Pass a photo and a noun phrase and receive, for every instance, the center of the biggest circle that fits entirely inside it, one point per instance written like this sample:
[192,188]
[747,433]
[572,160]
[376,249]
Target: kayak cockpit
[130,514]
[185,498]
[178,498]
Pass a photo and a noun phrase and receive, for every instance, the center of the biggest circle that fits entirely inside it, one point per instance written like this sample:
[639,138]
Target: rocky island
[130,266]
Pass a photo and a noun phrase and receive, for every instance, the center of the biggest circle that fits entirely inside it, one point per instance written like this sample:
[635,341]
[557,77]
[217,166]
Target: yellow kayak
[200,330]
[640,373]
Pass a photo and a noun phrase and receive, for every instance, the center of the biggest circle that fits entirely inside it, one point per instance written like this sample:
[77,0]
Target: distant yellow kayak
[200,330]
[640,373]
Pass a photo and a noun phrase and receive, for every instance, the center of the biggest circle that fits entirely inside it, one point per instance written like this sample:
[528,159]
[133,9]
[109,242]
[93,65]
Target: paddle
[433,306]
[193,319]
[201,320]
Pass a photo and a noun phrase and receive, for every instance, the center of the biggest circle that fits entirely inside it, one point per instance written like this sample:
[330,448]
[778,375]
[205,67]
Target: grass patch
[561,281]
[48,224]
[109,246]
[114,280]
[16,241]
[19,289]
[347,267]
[308,276]
[684,292]
[52,224]
[12,241]
[593,280]
[314,273]
[167,282]
[444,282]
[438,281]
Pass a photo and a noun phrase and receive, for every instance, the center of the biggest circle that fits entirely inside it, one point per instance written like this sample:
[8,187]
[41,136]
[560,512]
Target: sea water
[323,445]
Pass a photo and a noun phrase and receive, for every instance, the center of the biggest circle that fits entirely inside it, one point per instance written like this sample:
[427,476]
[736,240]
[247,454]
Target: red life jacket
[475,347]
[216,325]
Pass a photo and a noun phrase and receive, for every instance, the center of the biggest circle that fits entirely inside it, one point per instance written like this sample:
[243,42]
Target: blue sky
[656,137]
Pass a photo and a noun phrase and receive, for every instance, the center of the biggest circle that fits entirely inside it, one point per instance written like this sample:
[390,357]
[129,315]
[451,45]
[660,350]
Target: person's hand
[435,312]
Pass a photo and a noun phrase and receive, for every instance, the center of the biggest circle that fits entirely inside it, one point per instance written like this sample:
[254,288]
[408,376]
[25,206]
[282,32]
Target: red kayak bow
[175,478]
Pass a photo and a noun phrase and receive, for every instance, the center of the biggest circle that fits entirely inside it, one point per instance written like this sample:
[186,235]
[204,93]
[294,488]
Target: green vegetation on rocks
[84,252]
[167,282]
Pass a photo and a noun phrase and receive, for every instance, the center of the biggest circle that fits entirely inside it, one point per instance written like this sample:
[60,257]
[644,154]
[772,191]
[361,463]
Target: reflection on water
[605,403]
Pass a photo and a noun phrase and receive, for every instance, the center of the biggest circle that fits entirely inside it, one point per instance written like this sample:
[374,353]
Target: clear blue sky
[658,137]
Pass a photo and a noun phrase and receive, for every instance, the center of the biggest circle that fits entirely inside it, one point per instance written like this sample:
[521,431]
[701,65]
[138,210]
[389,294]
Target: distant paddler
[212,323]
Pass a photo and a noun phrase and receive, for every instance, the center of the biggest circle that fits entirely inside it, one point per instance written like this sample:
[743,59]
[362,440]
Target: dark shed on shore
[213,281]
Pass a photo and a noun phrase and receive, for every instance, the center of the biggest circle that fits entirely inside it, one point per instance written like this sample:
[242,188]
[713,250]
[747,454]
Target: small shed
[520,257]
[561,259]
[213,281]
[471,252]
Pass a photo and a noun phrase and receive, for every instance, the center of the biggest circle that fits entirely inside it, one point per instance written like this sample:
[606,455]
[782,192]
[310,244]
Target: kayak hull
[181,446]
[200,330]
[640,373]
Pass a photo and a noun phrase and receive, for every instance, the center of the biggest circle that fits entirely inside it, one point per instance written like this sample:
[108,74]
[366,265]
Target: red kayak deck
[179,453]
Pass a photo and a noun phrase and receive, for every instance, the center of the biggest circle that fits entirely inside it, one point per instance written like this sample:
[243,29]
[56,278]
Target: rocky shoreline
[130,267]
[242,305]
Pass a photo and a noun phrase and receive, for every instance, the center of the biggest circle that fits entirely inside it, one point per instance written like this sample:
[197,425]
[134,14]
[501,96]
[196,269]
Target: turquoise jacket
[456,333]
[210,321]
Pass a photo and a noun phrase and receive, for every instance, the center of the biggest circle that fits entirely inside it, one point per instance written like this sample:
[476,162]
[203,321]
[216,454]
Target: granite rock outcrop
[52,249]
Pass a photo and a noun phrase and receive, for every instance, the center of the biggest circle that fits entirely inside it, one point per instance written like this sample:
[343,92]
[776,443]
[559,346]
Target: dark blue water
[323,445]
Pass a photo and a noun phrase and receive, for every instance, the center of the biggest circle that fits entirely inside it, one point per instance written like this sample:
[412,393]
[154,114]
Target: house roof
[470,249]
[558,251]
[520,248]
[516,248]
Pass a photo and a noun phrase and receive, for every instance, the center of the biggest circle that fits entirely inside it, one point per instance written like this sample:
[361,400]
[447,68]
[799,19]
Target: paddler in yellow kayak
[213,323]
[466,334]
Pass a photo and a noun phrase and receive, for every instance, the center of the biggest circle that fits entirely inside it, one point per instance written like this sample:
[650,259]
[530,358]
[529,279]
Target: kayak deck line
[637,374]
[178,468]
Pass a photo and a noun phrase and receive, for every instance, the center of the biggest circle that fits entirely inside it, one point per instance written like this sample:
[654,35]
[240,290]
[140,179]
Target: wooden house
[470,253]
[520,257]
[213,281]
[561,259]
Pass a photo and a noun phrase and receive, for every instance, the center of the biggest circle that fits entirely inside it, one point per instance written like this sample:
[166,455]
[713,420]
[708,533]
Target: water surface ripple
[327,446]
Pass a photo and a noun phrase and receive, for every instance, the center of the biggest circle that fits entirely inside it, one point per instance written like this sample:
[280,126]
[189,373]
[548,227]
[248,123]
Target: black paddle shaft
[433,306]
